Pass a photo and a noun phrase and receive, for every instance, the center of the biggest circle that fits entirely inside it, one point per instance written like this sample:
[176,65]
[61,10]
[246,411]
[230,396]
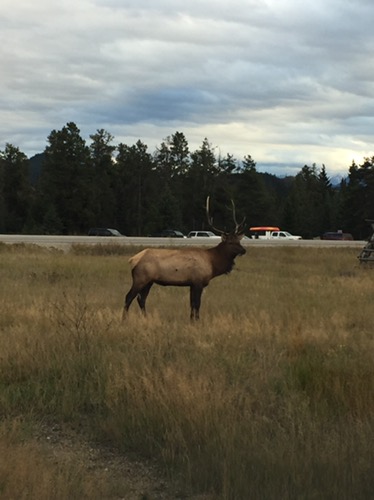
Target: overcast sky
[288,82]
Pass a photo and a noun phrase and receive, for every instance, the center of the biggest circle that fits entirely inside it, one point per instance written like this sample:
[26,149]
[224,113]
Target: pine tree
[358,198]
[136,190]
[104,179]
[66,181]
[15,196]
[200,182]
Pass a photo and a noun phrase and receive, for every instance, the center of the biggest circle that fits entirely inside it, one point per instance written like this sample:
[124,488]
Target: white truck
[271,233]
[283,235]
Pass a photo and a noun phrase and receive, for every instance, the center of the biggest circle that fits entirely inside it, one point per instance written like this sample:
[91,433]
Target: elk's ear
[223,236]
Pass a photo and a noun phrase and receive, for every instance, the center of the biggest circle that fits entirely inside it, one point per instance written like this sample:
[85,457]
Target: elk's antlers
[210,219]
[239,228]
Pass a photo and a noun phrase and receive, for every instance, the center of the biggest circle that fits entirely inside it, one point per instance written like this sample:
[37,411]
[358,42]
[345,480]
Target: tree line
[73,186]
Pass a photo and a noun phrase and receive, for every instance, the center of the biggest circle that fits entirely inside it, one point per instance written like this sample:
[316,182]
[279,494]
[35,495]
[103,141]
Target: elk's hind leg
[130,296]
[195,301]
[142,297]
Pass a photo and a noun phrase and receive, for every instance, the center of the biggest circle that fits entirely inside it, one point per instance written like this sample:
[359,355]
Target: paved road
[65,242]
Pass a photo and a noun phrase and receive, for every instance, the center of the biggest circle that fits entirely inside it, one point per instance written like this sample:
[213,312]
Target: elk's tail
[136,258]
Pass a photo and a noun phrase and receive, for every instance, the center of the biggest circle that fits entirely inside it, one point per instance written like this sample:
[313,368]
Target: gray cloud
[287,82]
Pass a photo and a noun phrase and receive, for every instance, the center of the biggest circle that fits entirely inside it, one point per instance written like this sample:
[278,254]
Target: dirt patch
[127,476]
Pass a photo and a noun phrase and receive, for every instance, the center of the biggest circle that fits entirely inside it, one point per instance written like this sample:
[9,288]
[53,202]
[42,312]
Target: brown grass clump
[270,395]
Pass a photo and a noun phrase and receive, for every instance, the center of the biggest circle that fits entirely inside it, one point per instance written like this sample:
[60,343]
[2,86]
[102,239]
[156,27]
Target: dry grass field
[269,396]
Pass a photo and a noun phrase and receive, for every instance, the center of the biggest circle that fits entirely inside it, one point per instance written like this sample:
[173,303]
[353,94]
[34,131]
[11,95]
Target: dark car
[338,235]
[170,233]
[103,231]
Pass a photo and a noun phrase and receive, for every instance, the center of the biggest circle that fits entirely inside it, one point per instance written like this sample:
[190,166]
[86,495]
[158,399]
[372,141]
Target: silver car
[202,234]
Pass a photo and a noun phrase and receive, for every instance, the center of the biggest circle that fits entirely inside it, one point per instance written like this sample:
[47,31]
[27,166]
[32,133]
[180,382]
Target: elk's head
[231,239]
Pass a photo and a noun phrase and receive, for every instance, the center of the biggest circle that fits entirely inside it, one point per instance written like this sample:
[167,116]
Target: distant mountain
[336,180]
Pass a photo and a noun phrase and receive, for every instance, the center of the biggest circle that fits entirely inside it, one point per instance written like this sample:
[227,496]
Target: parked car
[337,235]
[103,231]
[271,233]
[170,233]
[284,235]
[202,234]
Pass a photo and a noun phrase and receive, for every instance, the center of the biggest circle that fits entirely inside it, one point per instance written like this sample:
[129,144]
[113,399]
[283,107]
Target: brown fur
[193,267]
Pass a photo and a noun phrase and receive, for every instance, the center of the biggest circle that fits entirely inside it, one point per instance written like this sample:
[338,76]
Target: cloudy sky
[288,82]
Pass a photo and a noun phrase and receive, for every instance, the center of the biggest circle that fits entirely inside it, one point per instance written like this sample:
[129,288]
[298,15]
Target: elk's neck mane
[221,258]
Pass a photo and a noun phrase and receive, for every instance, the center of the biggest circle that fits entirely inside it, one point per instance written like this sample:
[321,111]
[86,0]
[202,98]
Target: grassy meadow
[269,396]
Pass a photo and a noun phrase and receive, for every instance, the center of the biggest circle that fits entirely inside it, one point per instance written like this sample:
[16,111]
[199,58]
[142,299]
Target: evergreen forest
[73,186]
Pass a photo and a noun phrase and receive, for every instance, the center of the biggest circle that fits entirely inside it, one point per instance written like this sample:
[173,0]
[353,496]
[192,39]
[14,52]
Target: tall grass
[269,396]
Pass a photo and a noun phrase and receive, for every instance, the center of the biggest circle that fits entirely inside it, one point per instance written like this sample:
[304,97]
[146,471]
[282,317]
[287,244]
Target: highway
[65,242]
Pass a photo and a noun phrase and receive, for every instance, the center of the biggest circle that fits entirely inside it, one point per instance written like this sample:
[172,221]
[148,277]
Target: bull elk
[193,267]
